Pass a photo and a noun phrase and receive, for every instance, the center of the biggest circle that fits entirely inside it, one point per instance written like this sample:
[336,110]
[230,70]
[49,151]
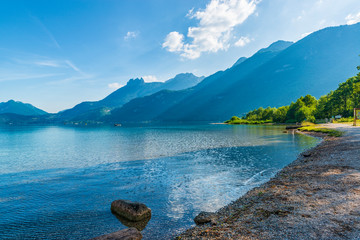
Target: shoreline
[317,196]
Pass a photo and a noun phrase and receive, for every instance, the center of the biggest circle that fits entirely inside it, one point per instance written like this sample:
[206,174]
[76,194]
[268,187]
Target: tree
[280,114]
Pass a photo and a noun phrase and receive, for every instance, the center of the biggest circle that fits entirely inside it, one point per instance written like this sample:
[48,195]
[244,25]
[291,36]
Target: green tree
[280,114]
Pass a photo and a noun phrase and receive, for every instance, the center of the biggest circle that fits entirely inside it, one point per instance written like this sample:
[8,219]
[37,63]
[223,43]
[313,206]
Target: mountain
[133,89]
[144,109]
[276,46]
[314,65]
[147,108]
[239,61]
[273,76]
[20,108]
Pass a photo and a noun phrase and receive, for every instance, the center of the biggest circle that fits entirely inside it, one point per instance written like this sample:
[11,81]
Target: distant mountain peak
[239,61]
[182,81]
[16,107]
[185,75]
[136,81]
[276,46]
[182,76]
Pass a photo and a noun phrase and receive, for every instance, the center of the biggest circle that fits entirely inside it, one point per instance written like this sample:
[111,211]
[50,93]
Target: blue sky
[55,54]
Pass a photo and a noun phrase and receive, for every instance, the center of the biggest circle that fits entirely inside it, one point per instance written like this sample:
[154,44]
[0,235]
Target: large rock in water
[205,217]
[133,211]
[126,234]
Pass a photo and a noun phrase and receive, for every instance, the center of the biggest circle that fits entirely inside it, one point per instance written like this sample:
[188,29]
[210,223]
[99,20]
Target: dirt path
[315,197]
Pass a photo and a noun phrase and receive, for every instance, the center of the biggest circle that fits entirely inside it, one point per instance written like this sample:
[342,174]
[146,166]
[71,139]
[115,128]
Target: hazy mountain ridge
[147,108]
[186,101]
[134,88]
[19,108]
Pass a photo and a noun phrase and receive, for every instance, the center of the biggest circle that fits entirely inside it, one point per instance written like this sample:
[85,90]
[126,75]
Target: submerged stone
[133,211]
[139,225]
[126,234]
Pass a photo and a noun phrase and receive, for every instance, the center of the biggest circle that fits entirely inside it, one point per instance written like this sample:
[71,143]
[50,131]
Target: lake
[58,182]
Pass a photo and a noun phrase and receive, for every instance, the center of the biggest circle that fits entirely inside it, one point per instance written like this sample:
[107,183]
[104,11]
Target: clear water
[59,182]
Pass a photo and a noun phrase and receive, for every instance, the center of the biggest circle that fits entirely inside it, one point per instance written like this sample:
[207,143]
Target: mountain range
[273,76]
[134,88]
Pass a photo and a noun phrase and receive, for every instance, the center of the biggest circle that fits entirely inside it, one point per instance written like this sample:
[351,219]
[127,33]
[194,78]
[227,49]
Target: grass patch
[349,121]
[243,121]
[344,120]
[307,124]
[330,132]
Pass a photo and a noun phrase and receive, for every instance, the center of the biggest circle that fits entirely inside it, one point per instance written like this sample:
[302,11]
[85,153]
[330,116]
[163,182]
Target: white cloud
[131,35]
[213,33]
[243,41]
[150,78]
[174,42]
[352,18]
[115,85]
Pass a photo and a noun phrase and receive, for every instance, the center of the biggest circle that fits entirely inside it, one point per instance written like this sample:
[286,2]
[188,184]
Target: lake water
[58,182]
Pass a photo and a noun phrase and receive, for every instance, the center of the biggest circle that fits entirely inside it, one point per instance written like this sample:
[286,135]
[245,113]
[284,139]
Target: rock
[204,217]
[306,154]
[132,211]
[139,225]
[126,234]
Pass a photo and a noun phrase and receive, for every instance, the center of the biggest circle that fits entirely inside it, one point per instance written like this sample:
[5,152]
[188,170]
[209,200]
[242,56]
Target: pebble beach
[315,197]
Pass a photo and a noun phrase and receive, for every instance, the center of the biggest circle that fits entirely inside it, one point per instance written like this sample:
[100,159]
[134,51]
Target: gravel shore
[315,197]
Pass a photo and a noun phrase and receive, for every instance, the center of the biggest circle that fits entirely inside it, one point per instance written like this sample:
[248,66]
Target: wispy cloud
[70,79]
[47,31]
[242,42]
[38,61]
[72,66]
[24,76]
[215,28]
[131,35]
[48,63]
[66,68]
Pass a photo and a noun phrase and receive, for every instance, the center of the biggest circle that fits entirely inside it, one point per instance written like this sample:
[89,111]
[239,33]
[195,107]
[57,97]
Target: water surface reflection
[58,183]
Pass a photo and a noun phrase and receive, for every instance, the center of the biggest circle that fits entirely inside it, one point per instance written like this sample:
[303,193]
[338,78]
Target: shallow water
[59,182]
